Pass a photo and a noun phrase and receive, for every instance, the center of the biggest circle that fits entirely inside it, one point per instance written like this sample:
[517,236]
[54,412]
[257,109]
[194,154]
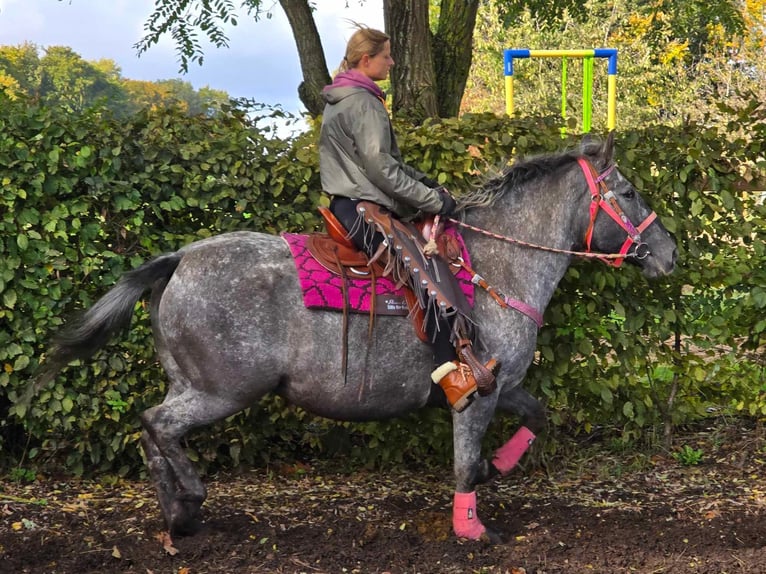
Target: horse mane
[523,171]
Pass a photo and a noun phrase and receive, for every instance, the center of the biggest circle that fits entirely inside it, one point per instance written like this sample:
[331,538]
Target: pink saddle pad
[324,290]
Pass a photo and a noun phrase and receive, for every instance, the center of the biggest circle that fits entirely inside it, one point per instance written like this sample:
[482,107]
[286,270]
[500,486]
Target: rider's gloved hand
[450,205]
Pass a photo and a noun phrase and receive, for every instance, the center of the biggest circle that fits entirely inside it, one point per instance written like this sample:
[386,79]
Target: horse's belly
[379,392]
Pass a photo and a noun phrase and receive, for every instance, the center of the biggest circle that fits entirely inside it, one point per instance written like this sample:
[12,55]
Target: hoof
[492,536]
[488,536]
[187,528]
[184,519]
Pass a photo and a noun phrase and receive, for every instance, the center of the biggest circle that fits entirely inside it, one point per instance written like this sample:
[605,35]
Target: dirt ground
[602,513]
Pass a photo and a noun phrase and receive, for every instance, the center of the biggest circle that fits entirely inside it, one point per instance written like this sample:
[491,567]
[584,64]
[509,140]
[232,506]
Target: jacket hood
[350,82]
[333,95]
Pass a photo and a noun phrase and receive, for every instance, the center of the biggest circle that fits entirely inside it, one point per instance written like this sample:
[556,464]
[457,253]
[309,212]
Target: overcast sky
[261,62]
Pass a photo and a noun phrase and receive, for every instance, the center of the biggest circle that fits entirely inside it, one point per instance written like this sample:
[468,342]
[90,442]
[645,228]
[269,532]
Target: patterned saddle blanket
[324,289]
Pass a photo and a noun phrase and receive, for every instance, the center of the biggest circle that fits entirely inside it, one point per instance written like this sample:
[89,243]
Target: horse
[229,325]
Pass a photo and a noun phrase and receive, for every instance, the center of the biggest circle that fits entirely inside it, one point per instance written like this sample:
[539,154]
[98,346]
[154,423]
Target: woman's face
[376,67]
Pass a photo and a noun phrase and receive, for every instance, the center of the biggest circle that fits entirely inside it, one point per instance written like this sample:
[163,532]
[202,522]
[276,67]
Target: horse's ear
[587,141]
[601,152]
[607,151]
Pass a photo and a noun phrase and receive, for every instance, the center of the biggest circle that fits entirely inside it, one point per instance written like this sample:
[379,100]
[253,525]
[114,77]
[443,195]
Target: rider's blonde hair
[364,41]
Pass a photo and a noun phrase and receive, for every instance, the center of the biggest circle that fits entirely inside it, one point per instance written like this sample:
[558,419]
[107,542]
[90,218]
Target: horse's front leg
[519,402]
[471,469]
[469,428]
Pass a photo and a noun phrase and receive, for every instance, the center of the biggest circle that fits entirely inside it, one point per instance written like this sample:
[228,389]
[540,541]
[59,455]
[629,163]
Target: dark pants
[437,328]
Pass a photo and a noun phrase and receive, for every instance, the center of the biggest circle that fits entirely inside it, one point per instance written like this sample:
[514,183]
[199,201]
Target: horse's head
[620,220]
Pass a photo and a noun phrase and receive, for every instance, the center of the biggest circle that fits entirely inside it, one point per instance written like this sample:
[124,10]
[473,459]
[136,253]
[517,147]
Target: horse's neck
[521,272]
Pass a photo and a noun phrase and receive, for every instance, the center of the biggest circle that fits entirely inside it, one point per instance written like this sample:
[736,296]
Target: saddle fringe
[436,294]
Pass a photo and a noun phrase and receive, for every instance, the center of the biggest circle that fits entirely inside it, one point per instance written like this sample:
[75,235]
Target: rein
[501,299]
[601,198]
[600,194]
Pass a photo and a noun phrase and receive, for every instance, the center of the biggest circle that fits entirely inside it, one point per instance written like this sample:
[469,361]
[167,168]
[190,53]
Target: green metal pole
[587,93]
[564,95]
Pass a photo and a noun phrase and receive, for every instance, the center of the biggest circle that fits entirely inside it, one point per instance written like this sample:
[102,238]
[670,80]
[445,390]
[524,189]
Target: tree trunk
[412,77]
[313,63]
[453,52]
[427,81]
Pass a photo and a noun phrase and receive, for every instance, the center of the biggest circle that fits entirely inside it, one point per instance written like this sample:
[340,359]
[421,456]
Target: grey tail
[110,314]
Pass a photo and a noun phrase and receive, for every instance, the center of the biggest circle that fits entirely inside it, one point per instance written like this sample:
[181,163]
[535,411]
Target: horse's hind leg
[179,488]
[164,482]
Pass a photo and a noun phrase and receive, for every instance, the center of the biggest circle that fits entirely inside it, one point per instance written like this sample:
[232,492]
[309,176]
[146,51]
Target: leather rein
[601,198]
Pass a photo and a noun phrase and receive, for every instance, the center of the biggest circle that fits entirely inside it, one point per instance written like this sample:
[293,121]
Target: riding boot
[457,382]
[484,375]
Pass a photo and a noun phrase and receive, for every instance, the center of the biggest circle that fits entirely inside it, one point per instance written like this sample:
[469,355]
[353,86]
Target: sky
[261,62]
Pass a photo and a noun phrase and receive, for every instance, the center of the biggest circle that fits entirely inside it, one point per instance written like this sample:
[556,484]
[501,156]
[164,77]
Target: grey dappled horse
[229,324]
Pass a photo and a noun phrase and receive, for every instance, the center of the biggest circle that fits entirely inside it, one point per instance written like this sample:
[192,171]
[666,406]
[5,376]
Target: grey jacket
[359,157]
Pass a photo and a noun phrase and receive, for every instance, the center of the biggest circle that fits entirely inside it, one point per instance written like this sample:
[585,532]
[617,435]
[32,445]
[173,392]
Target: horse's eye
[629,193]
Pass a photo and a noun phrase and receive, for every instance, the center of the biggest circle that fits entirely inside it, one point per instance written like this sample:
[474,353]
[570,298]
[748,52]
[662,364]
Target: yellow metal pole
[611,113]
[509,95]
[560,53]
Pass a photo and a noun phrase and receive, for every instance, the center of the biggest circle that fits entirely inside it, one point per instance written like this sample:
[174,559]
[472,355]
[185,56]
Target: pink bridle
[603,198]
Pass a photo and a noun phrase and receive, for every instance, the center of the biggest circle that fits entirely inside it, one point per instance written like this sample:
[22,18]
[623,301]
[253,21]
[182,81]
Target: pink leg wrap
[465,521]
[509,454]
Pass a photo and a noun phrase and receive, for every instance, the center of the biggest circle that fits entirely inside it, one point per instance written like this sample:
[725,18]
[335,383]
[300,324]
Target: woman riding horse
[360,163]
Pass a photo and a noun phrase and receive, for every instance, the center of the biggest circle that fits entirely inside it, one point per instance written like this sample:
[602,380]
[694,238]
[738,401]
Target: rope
[541,247]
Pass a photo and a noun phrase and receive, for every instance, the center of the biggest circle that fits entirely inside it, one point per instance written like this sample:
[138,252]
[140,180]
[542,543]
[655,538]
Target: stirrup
[484,374]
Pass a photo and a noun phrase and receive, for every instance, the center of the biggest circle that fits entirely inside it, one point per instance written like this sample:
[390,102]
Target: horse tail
[110,314]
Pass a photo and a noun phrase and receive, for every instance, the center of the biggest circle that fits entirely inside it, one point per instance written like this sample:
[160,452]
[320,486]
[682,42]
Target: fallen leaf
[167,542]
[116,552]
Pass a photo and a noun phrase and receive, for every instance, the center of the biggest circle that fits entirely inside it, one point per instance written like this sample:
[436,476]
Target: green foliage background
[83,198]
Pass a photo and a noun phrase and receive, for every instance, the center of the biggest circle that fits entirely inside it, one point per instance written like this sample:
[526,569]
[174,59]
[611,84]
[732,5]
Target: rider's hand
[449,204]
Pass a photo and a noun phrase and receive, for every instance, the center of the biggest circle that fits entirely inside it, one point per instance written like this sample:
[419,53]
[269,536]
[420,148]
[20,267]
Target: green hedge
[85,198]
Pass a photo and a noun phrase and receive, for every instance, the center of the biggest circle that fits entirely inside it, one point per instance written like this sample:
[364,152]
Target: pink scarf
[353,78]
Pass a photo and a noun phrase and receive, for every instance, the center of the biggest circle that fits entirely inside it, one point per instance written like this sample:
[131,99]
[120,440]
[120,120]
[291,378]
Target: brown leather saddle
[336,253]
[345,259]
[326,248]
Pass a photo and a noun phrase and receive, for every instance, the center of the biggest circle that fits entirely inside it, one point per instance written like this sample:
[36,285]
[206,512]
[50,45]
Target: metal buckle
[639,253]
